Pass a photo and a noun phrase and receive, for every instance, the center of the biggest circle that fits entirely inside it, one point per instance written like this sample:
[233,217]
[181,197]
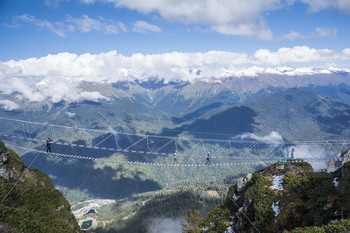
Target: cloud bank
[59,77]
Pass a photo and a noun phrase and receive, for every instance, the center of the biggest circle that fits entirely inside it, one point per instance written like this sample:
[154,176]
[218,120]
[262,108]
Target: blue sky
[64,43]
[41,27]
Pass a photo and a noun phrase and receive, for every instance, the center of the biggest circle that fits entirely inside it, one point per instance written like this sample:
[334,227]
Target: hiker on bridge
[292,153]
[48,145]
[175,156]
[208,159]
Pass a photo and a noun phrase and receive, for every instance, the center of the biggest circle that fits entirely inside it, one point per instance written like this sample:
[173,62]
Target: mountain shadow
[233,121]
[82,175]
[197,113]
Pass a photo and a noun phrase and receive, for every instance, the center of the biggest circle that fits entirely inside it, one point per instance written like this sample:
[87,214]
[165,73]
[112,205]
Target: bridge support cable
[54,132]
[220,149]
[115,135]
[13,128]
[148,147]
[342,147]
[272,153]
[126,149]
[160,148]
[24,132]
[231,150]
[103,140]
[186,152]
[85,139]
[204,150]
[29,132]
[175,144]
[244,153]
[257,230]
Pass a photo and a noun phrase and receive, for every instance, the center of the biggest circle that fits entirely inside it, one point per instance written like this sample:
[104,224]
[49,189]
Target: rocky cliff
[28,200]
[4,157]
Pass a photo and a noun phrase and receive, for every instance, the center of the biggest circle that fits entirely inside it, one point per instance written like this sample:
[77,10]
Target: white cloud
[84,24]
[347,52]
[311,151]
[54,3]
[55,27]
[325,32]
[272,138]
[143,27]
[70,114]
[57,89]
[292,35]
[317,5]
[87,24]
[231,17]
[319,32]
[59,77]
[9,105]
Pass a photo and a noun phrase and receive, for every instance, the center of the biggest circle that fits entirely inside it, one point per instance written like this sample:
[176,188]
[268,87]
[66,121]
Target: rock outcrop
[30,203]
[4,157]
[243,181]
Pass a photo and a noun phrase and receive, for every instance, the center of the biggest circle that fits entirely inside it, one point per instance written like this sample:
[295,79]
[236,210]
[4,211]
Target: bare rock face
[4,157]
[242,182]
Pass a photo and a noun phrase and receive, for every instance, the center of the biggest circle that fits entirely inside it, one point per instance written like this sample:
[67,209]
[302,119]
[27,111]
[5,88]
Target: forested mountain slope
[276,200]
[29,201]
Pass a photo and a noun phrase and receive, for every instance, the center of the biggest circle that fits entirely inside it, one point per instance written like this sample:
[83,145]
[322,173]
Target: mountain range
[200,115]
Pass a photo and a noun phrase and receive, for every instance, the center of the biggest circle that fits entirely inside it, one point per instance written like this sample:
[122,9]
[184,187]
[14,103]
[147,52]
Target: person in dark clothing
[48,145]
[208,159]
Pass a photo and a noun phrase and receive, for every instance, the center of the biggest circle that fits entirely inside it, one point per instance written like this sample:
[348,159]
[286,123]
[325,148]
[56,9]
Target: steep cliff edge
[32,204]
[293,199]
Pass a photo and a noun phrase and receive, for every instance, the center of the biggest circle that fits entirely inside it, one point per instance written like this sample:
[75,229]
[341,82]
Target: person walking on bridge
[48,145]
[292,153]
[208,159]
[175,156]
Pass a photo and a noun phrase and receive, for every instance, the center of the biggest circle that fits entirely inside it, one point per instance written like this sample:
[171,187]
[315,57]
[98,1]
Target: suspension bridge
[96,144]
